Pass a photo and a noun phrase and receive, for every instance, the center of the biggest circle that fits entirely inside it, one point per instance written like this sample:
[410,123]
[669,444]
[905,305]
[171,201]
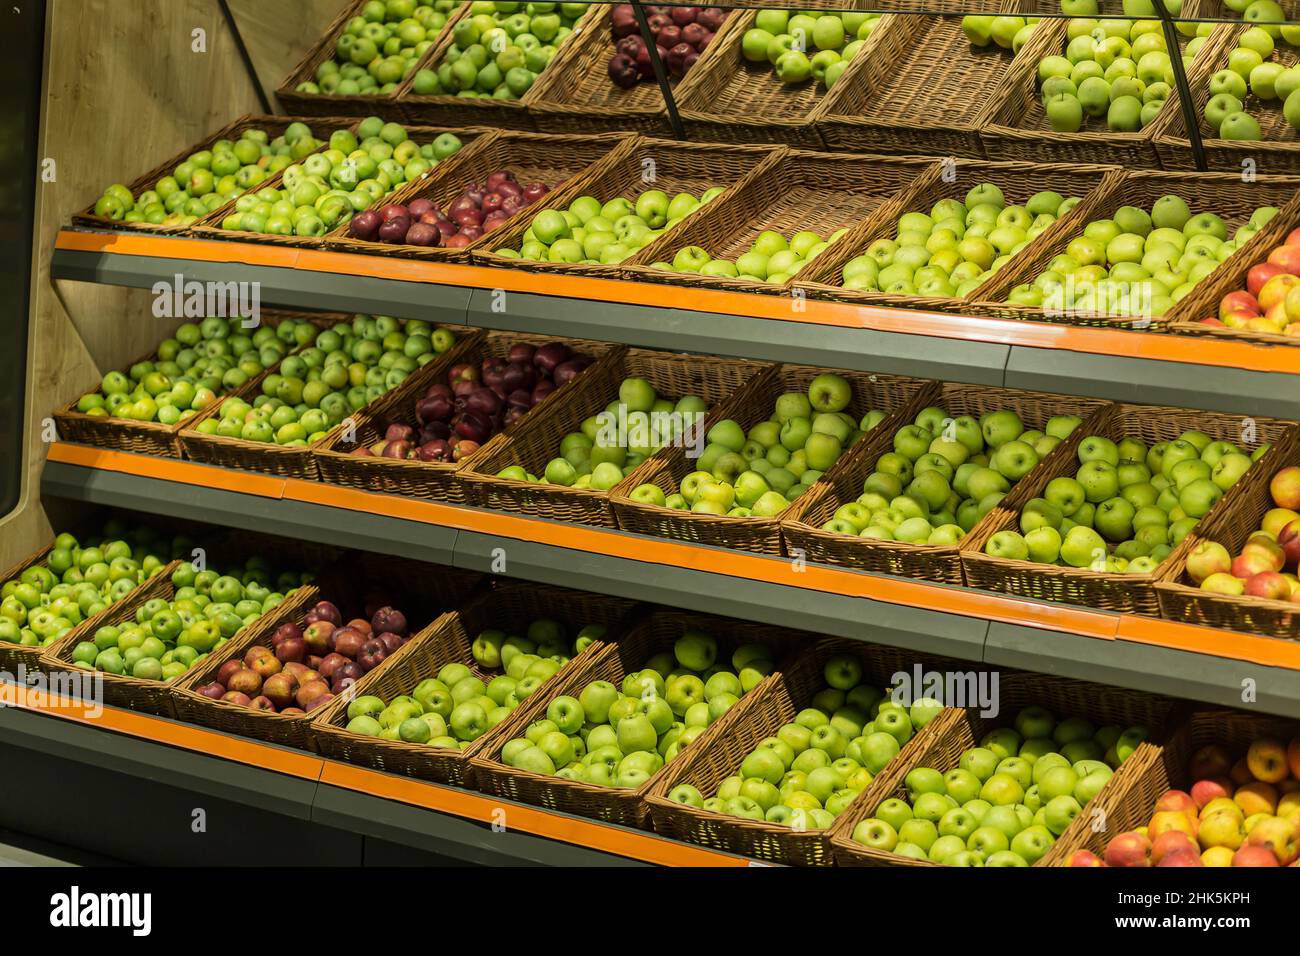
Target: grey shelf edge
[449,837]
[1114,377]
[927,632]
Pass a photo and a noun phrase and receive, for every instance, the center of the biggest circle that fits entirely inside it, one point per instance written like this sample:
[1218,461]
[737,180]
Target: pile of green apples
[811,769]
[1007,32]
[1119,70]
[348,366]
[168,637]
[1127,505]
[79,579]
[327,188]
[593,232]
[771,258]
[807,43]
[945,474]
[379,47]
[1007,800]
[192,369]
[1139,262]
[956,246]
[500,49]
[456,707]
[1251,70]
[603,452]
[209,179]
[621,736]
[759,473]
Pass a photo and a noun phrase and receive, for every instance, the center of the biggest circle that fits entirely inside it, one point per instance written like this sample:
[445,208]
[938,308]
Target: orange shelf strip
[1151,346]
[995,607]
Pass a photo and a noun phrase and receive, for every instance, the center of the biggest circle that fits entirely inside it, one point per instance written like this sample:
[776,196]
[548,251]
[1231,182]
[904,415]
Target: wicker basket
[725,98]
[507,606]
[149,438]
[577,96]
[298,462]
[1105,591]
[1230,197]
[624,654]
[1277,152]
[153,697]
[480,111]
[324,104]
[751,405]
[629,169]
[1015,125]
[537,440]
[1203,302]
[533,157]
[210,227]
[962,729]
[420,479]
[802,527]
[774,705]
[890,103]
[802,191]
[425,598]
[274,126]
[1181,600]
[954,179]
[1131,806]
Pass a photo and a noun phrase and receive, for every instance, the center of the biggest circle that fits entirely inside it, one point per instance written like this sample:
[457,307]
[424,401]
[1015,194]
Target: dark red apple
[227,670]
[348,641]
[365,225]
[372,654]
[235,697]
[213,691]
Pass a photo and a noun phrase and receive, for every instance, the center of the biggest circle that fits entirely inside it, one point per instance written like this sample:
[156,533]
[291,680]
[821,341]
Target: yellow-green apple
[1224,584]
[1285,486]
[1207,558]
[1165,820]
[1221,828]
[1256,797]
[1275,519]
[1267,759]
[1277,835]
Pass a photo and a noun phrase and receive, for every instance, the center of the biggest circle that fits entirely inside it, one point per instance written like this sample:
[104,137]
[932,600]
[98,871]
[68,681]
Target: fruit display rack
[757,338]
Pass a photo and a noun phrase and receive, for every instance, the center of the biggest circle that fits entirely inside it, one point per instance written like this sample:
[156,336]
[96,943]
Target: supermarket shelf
[1198,663]
[75,758]
[1187,371]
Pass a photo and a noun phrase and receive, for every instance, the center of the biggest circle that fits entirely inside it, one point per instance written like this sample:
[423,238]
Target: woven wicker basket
[532,157]
[953,179]
[725,98]
[153,697]
[1103,591]
[774,705]
[622,655]
[802,191]
[267,457]
[274,126]
[635,166]
[410,478]
[1131,805]
[962,729]
[425,598]
[577,96]
[480,111]
[1180,598]
[324,104]
[1229,197]
[150,438]
[890,103]
[1203,301]
[508,606]
[1277,152]
[537,440]
[749,406]
[802,527]
[1015,125]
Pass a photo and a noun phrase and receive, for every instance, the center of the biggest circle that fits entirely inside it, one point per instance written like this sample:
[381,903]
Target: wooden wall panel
[124,89]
